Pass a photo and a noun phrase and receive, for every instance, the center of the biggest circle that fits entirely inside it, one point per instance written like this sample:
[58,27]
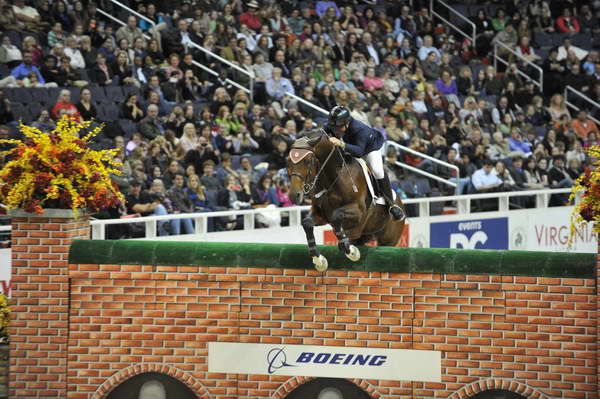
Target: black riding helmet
[338,116]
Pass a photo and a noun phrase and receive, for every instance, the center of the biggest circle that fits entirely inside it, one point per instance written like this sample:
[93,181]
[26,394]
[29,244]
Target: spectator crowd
[196,134]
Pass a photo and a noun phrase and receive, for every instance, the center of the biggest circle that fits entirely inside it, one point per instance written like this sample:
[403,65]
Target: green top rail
[373,259]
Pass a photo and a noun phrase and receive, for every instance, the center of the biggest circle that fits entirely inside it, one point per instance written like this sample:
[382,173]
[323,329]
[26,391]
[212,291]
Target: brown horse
[336,184]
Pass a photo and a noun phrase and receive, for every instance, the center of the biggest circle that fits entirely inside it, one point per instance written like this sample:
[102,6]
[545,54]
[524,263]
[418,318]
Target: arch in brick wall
[295,382]
[508,385]
[116,379]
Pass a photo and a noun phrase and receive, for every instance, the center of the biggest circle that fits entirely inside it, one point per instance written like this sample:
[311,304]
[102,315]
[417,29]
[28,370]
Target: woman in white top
[72,50]
[9,53]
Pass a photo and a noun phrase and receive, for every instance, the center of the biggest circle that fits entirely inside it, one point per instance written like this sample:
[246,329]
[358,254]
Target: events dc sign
[470,234]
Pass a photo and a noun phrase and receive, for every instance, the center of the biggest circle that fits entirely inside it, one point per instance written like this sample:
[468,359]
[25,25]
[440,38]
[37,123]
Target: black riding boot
[386,190]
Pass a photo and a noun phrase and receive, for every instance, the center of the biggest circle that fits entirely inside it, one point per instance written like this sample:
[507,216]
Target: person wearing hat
[362,141]
[251,18]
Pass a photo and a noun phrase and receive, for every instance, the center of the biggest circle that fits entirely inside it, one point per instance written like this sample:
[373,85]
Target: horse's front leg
[337,222]
[308,224]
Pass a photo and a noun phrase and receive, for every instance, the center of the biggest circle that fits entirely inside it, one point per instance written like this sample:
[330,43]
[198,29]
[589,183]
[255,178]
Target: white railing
[425,156]
[195,45]
[463,207]
[539,83]
[137,14]
[307,103]
[569,89]
[470,23]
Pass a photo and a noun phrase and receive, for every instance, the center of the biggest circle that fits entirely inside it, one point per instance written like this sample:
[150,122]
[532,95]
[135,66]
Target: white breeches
[375,162]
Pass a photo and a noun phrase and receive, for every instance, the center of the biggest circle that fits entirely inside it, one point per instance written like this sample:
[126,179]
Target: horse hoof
[354,254]
[320,263]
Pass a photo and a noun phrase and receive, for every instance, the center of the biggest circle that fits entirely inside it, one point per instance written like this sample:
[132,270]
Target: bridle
[308,187]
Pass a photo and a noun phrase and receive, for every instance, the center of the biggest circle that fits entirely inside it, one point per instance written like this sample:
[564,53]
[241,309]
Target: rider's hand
[337,142]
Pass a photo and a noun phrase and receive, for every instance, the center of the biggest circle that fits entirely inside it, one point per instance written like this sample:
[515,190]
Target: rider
[361,141]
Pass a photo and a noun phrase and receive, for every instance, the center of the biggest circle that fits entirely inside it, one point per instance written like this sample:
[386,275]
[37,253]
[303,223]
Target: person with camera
[203,152]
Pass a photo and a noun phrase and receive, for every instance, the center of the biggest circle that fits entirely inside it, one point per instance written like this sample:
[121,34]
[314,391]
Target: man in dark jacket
[361,141]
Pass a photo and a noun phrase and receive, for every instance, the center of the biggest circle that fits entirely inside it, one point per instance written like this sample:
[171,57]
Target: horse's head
[303,164]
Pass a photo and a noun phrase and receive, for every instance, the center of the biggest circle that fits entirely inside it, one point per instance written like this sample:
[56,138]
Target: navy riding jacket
[361,139]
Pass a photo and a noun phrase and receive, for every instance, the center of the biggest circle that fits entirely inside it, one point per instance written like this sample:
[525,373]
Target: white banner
[325,361]
[543,229]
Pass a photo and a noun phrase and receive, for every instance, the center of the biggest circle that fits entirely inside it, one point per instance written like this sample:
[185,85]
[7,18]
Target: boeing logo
[276,359]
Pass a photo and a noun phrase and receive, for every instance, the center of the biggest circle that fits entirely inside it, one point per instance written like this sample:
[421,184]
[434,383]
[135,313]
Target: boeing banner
[470,234]
[325,361]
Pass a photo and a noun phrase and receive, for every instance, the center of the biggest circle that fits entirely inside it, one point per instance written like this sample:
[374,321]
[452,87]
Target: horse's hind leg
[343,242]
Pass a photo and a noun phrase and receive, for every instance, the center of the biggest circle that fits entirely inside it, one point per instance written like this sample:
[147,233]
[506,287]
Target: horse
[336,185]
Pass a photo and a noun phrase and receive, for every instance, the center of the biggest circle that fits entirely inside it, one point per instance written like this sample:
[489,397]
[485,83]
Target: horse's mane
[313,133]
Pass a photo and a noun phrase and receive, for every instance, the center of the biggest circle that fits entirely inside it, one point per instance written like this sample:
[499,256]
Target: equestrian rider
[361,141]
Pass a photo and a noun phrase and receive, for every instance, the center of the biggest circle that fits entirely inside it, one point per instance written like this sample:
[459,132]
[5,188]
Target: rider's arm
[358,148]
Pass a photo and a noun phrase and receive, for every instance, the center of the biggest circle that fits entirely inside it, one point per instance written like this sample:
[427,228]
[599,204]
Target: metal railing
[425,156]
[569,89]
[307,103]
[463,207]
[250,90]
[497,58]
[470,23]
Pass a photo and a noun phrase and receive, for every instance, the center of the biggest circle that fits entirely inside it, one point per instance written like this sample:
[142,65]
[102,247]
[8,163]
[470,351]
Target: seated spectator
[196,193]
[10,54]
[72,76]
[44,122]
[129,31]
[567,23]
[101,73]
[85,107]
[64,105]
[567,48]
[427,48]
[61,14]
[56,35]
[225,169]
[277,86]
[88,52]
[208,178]
[31,45]
[583,126]
[504,175]
[558,108]
[198,156]
[574,169]
[21,71]
[27,17]
[516,143]
[150,127]
[247,169]
[122,71]
[181,204]
[72,51]
[484,180]
[146,204]
[130,109]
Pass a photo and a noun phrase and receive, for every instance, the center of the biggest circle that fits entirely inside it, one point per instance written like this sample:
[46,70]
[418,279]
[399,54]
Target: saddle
[374,188]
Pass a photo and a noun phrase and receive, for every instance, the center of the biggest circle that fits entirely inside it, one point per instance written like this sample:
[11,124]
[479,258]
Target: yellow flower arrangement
[588,185]
[58,169]
[4,315]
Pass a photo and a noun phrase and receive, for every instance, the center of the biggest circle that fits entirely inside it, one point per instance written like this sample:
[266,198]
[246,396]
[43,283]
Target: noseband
[308,187]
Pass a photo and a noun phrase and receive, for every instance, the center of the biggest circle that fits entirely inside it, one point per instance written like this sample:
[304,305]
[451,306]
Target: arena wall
[525,322]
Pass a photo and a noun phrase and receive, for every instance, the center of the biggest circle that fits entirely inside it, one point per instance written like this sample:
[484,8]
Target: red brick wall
[536,336]
[40,304]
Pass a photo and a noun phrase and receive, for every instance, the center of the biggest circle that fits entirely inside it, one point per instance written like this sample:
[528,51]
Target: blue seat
[98,94]
[114,93]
